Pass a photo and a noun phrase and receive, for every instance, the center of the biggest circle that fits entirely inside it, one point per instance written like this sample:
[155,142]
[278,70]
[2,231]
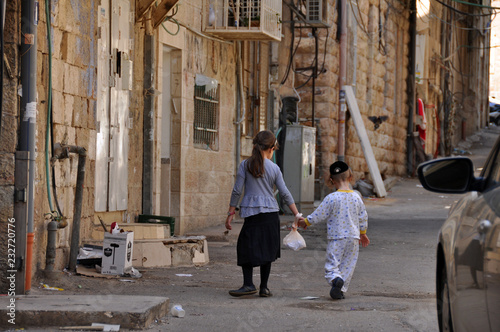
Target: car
[494,106]
[495,117]
[468,248]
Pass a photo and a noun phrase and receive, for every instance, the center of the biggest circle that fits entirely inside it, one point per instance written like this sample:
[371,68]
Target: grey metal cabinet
[298,165]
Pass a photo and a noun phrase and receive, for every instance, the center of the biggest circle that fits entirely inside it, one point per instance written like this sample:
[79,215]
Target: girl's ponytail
[263,141]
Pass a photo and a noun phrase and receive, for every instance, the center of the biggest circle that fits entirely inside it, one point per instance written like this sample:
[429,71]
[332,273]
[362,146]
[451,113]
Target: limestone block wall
[201,179]
[377,68]
[73,32]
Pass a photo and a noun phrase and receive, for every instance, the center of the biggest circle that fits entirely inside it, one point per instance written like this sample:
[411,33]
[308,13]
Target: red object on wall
[422,121]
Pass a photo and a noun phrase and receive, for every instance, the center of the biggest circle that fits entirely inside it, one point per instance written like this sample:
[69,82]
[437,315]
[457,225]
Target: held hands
[364,240]
[299,221]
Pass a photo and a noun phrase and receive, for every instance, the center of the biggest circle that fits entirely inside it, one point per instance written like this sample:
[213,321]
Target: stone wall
[377,70]
[73,33]
[201,179]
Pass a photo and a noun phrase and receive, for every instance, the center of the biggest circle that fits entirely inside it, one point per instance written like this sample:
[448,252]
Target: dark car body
[468,250]
[494,113]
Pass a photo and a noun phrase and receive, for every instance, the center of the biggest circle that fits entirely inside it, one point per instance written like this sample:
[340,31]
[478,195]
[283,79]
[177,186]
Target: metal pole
[411,86]
[315,74]
[21,180]
[77,213]
[28,110]
[148,118]
[342,81]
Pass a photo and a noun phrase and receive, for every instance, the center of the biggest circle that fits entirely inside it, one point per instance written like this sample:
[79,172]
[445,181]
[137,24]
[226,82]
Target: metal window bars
[206,118]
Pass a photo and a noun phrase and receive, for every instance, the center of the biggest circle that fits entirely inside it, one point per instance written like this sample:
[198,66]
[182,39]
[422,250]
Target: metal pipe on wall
[411,86]
[342,81]
[148,118]
[27,140]
[2,21]
[61,152]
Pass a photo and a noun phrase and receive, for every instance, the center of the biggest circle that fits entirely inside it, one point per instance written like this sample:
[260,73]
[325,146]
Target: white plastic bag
[294,240]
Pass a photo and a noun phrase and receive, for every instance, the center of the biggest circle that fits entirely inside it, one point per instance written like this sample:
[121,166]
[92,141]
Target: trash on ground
[107,327]
[184,275]
[177,311]
[309,298]
[45,286]
[127,280]
[365,188]
[133,273]
[89,255]
[86,328]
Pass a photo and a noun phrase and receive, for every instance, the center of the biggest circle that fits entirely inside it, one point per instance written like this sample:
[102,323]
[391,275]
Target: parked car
[468,250]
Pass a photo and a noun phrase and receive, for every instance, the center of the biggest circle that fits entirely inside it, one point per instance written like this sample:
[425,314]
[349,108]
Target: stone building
[165,97]
[495,57]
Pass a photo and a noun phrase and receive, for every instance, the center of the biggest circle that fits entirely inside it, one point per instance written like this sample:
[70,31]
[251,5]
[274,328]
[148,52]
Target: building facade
[162,100]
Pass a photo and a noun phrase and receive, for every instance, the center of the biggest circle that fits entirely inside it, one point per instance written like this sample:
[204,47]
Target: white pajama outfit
[346,218]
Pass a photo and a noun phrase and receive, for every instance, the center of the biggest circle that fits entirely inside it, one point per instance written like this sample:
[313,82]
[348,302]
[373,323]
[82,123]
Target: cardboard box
[117,253]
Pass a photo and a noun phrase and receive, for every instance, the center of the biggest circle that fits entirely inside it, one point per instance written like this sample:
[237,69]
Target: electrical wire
[462,12]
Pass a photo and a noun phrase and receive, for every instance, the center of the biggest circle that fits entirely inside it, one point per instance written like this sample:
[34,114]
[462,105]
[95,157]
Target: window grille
[243,19]
[206,118]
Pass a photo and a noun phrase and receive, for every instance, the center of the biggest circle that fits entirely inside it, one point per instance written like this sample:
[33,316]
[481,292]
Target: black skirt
[259,240]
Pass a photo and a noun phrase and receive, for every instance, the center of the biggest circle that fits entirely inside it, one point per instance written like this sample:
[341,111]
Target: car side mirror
[449,175]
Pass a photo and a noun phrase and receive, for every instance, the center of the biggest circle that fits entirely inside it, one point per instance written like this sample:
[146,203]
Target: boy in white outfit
[347,222]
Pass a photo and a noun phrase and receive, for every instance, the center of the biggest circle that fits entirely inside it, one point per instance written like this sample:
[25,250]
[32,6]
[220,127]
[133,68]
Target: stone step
[141,231]
[172,251]
[130,312]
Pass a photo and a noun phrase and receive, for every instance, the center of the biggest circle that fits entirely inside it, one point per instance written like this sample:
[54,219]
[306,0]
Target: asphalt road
[393,287]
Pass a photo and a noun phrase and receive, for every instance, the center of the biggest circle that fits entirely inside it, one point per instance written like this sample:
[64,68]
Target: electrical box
[317,13]
[299,161]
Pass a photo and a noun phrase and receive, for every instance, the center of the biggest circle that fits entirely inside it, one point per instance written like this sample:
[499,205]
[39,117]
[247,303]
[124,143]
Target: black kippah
[338,167]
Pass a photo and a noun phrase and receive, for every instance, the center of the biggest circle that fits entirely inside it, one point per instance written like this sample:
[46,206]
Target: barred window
[206,114]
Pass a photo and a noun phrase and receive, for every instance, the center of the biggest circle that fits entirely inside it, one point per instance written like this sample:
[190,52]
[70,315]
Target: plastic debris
[309,298]
[184,275]
[107,327]
[45,286]
[177,311]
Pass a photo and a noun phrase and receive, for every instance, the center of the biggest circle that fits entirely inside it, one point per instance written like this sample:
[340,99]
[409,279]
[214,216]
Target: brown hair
[345,176]
[263,141]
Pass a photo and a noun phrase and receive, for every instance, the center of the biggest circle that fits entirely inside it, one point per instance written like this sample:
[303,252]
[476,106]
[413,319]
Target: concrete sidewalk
[131,312]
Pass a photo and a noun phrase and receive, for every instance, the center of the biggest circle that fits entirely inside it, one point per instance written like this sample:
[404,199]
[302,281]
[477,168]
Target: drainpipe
[411,86]
[240,116]
[148,118]
[2,22]
[315,74]
[50,256]
[62,151]
[28,117]
[342,81]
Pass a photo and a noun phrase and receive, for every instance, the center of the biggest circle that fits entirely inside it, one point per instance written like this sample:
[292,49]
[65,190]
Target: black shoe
[336,291]
[244,290]
[265,292]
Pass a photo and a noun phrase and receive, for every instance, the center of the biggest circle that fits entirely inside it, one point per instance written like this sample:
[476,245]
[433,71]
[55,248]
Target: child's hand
[301,223]
[365,241]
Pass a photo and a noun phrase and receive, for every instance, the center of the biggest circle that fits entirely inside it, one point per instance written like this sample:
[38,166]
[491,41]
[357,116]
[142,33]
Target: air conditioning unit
[317,13]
